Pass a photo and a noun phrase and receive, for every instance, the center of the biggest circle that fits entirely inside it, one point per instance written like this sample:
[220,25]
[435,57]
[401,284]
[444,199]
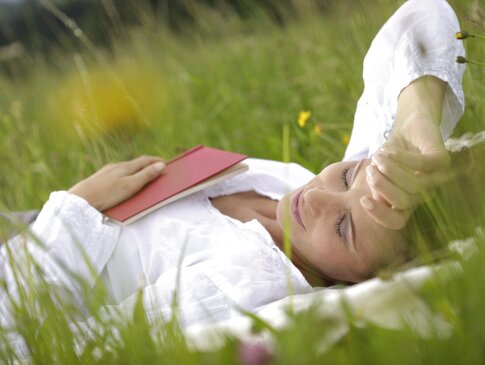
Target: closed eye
[338,226]
[344,177]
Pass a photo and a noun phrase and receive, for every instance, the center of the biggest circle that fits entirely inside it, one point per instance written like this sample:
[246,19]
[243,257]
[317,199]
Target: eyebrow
[353,234]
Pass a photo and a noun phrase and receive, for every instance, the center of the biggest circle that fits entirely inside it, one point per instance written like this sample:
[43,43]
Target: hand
[397,189]
[405,170]
[116,182]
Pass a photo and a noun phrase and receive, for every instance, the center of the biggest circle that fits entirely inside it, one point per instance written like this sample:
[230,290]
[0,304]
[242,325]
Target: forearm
[418,118]
[425,76]
[69,239]
[66,248]
[415,157]
[422,99]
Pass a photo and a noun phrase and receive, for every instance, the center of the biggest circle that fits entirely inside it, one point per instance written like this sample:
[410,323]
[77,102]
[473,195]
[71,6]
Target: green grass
[230,83]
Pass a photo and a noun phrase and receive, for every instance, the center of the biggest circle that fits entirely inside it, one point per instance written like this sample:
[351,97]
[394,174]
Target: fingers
[418,161]
[381,186]
[114,182]
[144,176]
[408,180]
[140,163]
[385,215]
[405,179]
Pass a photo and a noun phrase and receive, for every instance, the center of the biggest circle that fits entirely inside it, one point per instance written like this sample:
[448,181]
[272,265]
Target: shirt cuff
[75,234]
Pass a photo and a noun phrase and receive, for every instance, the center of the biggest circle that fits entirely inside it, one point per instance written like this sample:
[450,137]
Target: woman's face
[330,230]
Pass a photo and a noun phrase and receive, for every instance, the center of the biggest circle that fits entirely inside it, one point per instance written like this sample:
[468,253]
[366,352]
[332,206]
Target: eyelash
[343,176]
[338,225]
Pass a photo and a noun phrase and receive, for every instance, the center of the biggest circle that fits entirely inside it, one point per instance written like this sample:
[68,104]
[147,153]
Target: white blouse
[224,264]
[419,39]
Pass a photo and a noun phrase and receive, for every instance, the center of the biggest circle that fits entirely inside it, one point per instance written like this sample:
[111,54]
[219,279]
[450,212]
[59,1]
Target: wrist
[80,193]
[417,126]
[421,100]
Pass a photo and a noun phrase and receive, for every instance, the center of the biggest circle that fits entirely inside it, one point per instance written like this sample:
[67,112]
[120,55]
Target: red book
[194,170]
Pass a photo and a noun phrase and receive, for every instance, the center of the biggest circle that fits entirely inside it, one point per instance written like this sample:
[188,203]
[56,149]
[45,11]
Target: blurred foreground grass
[229,83]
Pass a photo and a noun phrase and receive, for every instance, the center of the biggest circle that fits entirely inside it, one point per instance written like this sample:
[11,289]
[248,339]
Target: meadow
[236,83]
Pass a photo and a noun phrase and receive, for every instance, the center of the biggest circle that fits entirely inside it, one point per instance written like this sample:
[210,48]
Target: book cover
[187,173]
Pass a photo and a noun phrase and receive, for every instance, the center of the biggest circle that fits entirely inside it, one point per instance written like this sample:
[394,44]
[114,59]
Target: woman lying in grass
[227,241]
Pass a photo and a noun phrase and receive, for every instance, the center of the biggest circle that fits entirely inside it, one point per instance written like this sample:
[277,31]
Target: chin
[283,208]
[283,211]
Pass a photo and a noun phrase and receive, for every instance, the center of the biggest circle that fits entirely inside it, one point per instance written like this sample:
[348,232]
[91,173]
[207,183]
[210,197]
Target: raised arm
[414,159]
[412,100]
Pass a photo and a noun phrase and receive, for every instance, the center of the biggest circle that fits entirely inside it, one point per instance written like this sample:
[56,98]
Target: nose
[320,201]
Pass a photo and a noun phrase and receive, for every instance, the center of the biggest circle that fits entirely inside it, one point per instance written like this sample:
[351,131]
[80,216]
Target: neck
[251,205]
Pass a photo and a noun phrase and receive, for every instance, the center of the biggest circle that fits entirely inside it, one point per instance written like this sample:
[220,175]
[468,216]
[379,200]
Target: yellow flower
[303,118]
[317,129]
[464,35]
[345,139]
[104,101]
[461,35]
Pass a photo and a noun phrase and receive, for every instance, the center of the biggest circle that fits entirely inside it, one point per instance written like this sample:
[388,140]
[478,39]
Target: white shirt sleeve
[70,239]
[418,40]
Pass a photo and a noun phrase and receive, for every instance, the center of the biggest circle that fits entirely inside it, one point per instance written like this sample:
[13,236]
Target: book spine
[186,153]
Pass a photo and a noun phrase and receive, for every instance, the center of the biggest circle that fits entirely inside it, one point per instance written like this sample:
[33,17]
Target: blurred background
[85,82]
[28,24]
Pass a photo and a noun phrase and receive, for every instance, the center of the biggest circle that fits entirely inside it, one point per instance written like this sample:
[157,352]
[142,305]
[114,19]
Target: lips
[296,208]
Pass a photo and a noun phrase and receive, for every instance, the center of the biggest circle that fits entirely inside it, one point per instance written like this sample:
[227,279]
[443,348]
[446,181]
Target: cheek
[325,250]
[322,246]
[330,256]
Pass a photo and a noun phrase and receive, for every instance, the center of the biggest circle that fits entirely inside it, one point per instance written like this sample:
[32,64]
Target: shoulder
[269,178]
[291,172]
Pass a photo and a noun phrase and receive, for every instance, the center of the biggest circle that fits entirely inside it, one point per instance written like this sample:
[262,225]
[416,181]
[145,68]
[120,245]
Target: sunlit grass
[229,83]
